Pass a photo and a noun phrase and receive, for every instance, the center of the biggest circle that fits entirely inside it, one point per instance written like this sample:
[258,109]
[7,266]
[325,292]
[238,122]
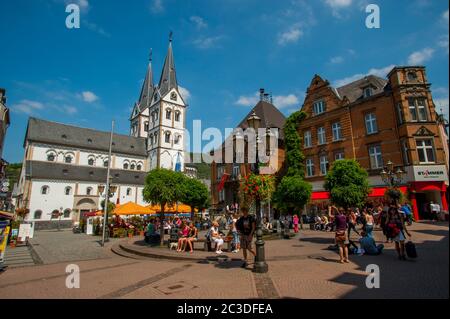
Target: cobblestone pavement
[54,246]
[298,268]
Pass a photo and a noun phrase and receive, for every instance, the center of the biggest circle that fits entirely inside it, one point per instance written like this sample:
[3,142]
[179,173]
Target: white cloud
[96,28]
[280,101]
[336,60]
[441,100]
[184,93]
[248,100]
[443,42]
[83,4]
[419,57]
[338,3]
[70,109]
[445,17]
[381,72]
[89,96]
[156,6]
[199,22]
[290,36]
[27,107]
[207,42]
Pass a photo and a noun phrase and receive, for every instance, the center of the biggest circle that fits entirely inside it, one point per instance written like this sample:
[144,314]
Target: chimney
[261,94]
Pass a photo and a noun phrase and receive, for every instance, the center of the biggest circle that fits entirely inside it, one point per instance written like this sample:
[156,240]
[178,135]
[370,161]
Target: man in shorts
[246,226]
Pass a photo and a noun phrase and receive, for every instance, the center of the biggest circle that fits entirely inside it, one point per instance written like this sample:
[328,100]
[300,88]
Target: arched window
[151,139]
[105,163]
[55,214]
[45,190]
[67,212]
[68,159]
[51,157]
[167,137]
[89,191]
[168,114]
[177,139]
[91,161]
[132,166]
[125,165]
[156,138]
[139,167]
[128,191]
[177,116]
[68,190]
[38,214]
[412,76]
[146,126]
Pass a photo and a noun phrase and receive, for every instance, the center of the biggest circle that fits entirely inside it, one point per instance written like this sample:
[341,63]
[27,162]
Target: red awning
[375,192]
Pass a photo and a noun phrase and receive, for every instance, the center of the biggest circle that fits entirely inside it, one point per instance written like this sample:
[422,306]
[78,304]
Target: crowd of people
[392,220]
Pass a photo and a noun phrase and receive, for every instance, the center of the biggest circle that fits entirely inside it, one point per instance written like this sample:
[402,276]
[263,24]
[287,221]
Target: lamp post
[59,217]
[393,178]
[260,265]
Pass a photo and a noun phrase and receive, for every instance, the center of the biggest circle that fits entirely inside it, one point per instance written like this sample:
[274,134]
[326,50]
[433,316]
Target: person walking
[396,228]
[340,221]
[246,226]
[235,234]
[368,227]
[295,220]
[351,219]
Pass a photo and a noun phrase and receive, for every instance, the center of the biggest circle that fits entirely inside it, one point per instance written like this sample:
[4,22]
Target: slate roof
[67,172]
[168,78]
[354,90]
[67,135]
[145,98]
[270,117]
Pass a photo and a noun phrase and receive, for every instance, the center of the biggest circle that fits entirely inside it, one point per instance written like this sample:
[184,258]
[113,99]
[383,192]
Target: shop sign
[430,173]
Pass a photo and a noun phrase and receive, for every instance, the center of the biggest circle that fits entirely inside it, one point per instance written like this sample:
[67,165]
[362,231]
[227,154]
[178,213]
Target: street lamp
[393,178]
[260,265]
[109,192]
[59,217]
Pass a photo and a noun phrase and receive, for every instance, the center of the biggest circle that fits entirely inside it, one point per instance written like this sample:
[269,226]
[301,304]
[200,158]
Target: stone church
[64,167]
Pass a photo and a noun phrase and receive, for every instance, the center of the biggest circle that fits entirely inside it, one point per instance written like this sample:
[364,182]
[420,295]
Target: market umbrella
[131,208]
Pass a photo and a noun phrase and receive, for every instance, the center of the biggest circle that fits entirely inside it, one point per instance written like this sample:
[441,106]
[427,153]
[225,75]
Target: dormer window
[68,159]
[51,157]
[91,161]
[412,76]
[319,107]
[64,136]
[367,92]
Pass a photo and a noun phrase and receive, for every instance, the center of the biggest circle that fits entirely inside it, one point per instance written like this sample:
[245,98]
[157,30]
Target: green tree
[164,187]
[111,206]
[195,194]
[293,193]
[294,155]
[347,183]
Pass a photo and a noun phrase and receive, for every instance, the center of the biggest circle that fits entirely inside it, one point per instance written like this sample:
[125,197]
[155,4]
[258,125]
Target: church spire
[168,78]
[148,87]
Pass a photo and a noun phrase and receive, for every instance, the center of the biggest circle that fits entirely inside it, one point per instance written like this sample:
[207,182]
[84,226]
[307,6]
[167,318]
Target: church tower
[166,120]
[140,115]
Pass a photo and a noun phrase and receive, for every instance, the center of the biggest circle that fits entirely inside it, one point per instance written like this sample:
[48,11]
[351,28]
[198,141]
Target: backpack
[392,230]
[410,248]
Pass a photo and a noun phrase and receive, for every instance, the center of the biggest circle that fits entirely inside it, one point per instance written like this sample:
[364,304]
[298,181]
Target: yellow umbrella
[180,208]
[131,208]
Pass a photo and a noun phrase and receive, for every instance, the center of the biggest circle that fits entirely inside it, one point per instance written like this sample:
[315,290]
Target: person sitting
[182,240]
[193,236]
[318,223]
[369,246]
[151,236]
[216,237]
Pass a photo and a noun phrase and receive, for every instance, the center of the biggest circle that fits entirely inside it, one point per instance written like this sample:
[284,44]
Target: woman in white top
[215,237]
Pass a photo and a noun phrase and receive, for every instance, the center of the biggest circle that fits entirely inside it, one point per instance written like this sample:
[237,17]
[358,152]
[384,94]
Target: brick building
[229,174]
[376,120]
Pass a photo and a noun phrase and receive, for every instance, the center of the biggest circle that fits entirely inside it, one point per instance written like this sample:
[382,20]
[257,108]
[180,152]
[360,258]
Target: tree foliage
[195,194]
[111,206]
[163,186]
[294,156]
[293,193]
[347,183]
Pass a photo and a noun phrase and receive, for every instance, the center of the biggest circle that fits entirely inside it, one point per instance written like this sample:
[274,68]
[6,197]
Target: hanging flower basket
[257,187]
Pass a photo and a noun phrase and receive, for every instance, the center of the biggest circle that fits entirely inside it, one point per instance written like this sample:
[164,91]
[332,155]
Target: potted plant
[130,232]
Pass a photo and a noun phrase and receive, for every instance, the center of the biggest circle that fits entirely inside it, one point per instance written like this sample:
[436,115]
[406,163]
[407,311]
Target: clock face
[173,96]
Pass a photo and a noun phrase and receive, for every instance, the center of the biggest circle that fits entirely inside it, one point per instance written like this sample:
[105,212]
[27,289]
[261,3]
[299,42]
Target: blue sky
[225,50]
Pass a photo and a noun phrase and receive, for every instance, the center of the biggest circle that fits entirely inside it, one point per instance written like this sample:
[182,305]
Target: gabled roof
[354,90]
[62,134]
[168,78]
